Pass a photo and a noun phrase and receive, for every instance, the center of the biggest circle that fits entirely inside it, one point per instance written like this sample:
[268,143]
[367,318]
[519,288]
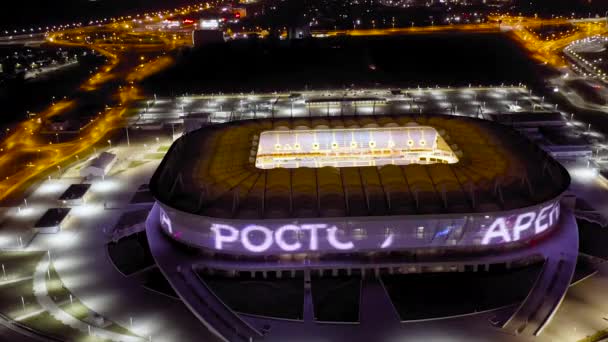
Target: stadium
[286,203]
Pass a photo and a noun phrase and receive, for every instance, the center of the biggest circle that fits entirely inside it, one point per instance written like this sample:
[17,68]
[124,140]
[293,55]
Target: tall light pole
[127,131]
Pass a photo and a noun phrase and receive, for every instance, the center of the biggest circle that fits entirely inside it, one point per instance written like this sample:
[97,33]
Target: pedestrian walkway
[80,259]
[40,290]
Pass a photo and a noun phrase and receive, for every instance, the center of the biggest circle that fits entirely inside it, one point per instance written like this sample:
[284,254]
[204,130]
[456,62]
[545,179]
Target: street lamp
[110,143]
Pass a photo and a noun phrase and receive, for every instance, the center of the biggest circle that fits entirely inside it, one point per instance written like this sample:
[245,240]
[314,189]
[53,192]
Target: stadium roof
[350,147]
[212,172]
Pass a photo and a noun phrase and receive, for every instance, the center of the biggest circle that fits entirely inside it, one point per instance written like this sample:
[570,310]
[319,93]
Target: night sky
[29,13]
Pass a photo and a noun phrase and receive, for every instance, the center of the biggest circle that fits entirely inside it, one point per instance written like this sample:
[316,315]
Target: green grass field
[19,264]
[48,325]
[154,156]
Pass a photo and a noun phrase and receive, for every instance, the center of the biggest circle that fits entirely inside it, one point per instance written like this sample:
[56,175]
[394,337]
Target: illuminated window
[352,147]
[359,234]
[420,232]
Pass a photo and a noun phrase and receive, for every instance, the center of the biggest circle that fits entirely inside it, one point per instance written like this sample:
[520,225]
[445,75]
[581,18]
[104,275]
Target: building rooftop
[103,160]
[75,191]
[52,217]
[212,172]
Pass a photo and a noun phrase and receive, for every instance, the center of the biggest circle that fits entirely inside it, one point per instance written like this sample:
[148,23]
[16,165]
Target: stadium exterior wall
[459,232]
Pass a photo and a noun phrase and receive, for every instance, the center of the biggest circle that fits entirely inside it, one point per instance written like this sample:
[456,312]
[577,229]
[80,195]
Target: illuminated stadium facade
[424,193]
[268,189]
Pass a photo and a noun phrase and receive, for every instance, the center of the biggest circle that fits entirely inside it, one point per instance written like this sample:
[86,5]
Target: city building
[98,166]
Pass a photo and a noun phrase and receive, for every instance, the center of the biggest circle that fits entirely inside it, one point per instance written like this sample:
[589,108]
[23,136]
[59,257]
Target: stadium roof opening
[354,147]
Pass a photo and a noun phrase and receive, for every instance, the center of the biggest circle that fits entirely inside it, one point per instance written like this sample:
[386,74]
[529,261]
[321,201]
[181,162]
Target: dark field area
[131,254]
[336,299]
[425,60]
[272,297]
[17,96]
[430,295]
[156,281]
[593,239]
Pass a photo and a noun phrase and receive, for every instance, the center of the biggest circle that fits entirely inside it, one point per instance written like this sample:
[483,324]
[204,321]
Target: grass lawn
[19,264]
[135,163]
[597,337]
[55,287]
[81,312]
[46,324]
[76,309]
[154,156]
[10,299]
